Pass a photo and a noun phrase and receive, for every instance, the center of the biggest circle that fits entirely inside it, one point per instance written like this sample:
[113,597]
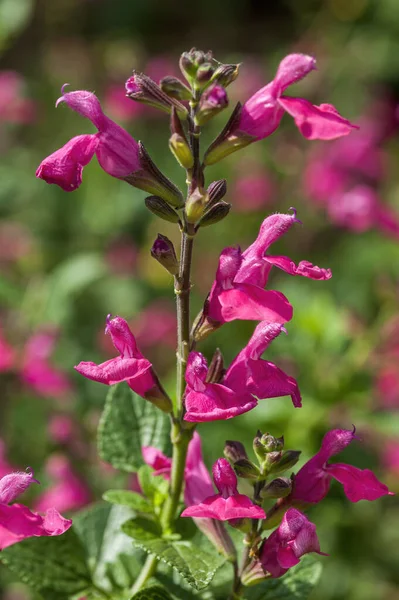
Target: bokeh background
[67,260]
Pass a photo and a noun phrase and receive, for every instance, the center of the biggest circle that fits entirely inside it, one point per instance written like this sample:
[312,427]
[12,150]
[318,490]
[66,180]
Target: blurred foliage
[70,259]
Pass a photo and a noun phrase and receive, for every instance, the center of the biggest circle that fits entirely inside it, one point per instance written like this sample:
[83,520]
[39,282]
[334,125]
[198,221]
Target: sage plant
[253,527]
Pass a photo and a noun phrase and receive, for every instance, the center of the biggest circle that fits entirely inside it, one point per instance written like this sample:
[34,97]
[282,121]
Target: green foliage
[296,584]
[194,564]
[128,423]
[131,499]
[50,564]
[153,593]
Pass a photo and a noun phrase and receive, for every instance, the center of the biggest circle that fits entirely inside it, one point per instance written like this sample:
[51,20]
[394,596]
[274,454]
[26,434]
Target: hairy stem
[180,436]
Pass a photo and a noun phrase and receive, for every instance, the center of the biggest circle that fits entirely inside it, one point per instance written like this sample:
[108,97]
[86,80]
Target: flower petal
[304,268]
[359,484]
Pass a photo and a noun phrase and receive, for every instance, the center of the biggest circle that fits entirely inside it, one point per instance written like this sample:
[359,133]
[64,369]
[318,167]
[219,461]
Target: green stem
[147,571]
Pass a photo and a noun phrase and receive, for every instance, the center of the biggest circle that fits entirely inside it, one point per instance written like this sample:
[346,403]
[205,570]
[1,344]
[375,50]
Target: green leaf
[194,564]
[154,592]
[131,499]
[111,558]
[50,563]
[128,423]
[297,584]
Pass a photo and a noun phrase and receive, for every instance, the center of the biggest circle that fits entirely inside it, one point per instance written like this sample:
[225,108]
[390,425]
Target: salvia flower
[116,150]
[197,487]
[248,376]
[228,504]
[262,113]
[17,522]
[129,366]
[312,482]
[237,292]
[294,537]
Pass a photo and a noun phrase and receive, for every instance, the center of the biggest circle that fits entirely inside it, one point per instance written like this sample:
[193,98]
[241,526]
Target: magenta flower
[247,376]
[294,537]
[37,371]
[237,292]
[67,490]
[7,355]
[228,504]
[198,484]
[17,522]
[262,113]
[116,151]
[261,377]
[212,401]
[312,482]
[129,366]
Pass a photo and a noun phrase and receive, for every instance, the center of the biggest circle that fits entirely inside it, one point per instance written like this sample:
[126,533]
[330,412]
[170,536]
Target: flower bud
[212,101]
[285,461]
[226,74]
[272,444]
[204,75]
[163,251]
[181,150]
[161,209]
[195,205]
[216,191]
[190,62]
[215,370]
[143,89]
[278,488]
[215,214]
[234,451]
[253,574]
[246,469]
[150,179]
[175,88]
[258,447]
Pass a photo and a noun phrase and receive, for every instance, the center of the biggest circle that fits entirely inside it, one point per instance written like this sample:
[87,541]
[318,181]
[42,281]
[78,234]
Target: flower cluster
[208,391]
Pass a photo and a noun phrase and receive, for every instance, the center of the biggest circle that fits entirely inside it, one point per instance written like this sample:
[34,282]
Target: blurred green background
[70,259]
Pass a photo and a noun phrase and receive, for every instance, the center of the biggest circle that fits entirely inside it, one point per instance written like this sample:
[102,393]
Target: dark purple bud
[215,214]
[246,469]
[175,88]
[161,209]
[163,251]
[141,88]
[215,369]
[226,74]
[234,451]
[278,488]
[212,101]
[216,191]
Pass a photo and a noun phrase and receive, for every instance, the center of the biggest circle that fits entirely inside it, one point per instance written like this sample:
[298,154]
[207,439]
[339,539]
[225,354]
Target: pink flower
[228,504]
[262,113]
[37,371]
[129,366]
[312,482]
[116,150]
[17,522]
[198,484]
[238,293]
[14,107]
[294,537]
[247,376]
[7,355]
[67,491]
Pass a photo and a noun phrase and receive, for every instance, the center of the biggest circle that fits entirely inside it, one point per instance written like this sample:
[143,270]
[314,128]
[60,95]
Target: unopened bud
[286,461]
[270,443]
[190,62]
[204,75]
[253,574]
[163,251]
[215,371]
[278,488]
[234,451]
[175,88]
[161,209]
[143,89]
[215,214]
[226,74]
[195,205]
[246,469]
[213,100]
[216,191]
[258,447]
[181,150]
